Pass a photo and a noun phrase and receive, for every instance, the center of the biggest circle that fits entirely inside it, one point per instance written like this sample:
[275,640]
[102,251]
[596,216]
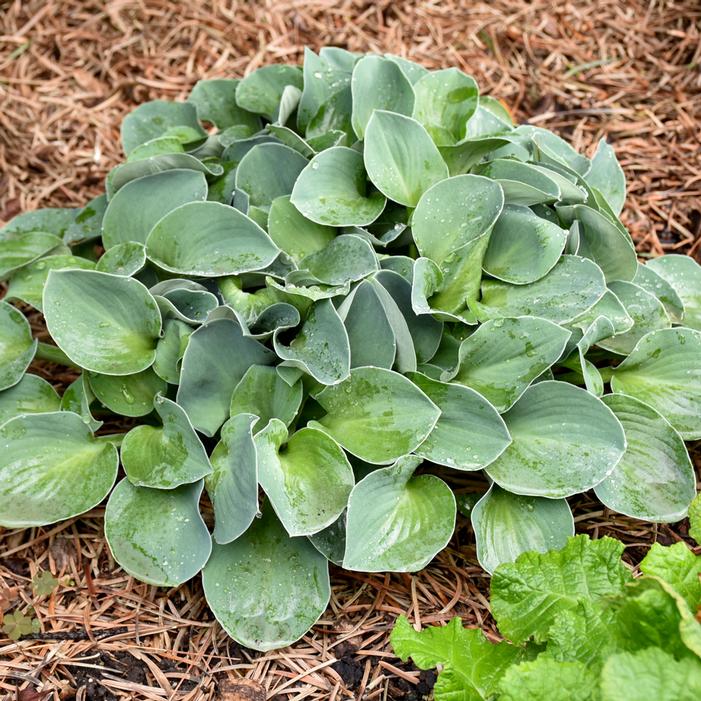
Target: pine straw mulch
[71,69]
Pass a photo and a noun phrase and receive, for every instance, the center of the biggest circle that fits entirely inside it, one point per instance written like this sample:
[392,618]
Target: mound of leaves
[305,285]
[581,628]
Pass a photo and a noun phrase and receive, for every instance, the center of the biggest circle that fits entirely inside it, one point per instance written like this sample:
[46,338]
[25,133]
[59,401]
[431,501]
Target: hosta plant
[315,295]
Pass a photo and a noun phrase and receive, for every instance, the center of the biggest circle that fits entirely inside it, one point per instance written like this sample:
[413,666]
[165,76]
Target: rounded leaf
[31,395]
[293,233]
[260,92]
[17,346]
[21,249]
[684,275]
[128,395]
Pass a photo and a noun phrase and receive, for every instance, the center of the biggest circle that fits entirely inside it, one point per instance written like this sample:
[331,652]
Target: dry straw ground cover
[69,71]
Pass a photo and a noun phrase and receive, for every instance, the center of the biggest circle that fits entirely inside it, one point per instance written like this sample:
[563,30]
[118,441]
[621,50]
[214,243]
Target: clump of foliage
[581,627]
[332,282]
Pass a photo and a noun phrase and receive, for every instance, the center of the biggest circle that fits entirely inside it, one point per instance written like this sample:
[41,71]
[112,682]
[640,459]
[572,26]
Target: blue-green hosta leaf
[331,125]
[78,398]
[427,283]
[523,183]
[261,91]
[215,101]
[170,350]
[664,371]
[157,535]
[331,541]
[19,250]
[684,275]
[216,358]
[679,567]
[104,323]
[602,241]
[167,456]
[233,484]
[306,476]
[321,347]
[646,311]
[52,469]
[469,434]
[265,588]
[126,258]
[552,679]
[128,395]
[655,284]
[571,288]
[650,675]
[552,149]
[141,203]
[396,521]
[412,70]
[209,239]
[192,306]
[377,415]
[507,525]
[160,118]
[163,145]
[470,151]
[606,175]
[565,441]
[31,395]
[472,667]
[333,190]
[265,394]
[378,84]
[606,318]
[17,347]
[529,594]
[345,258]
[51,220]
[27,284]
[503,356]
[268,171]
[523,247]
[445,100]
[293,233]
[400,158]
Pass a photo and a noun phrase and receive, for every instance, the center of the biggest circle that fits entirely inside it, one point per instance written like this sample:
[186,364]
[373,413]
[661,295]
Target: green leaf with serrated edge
[646,311]
[664,371]
[654,283]
[260,92]
[104,323]
[695,518]
[396,521]
[331,541]
[17,347]
[370,334]
[570,289]
[141,203]
[654,480]
[266,589]
[306,476]
[215,102]
[126,259]
[52,469]
[27,284]
[565,441]
[606,175]
[547,678]
[523,183]
[469,434]
[400,158]
[471,665]
[527,595]
[679,567]
[209,239]
[77,398]
[320,347]
[346,257]
[268,171]
[507,525]
[51,220]
[604,243]
[684,275]
[128,395]
[170,350]
[444,101]
[293,233]
[378,83]
[523,247]
[20,250]
[167,456]
[377,415]
[455,212]
[333,190]
[233,484]
[503,356]
[265,394]
[31,395]
[157,535]
[650,675]
[216,358]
